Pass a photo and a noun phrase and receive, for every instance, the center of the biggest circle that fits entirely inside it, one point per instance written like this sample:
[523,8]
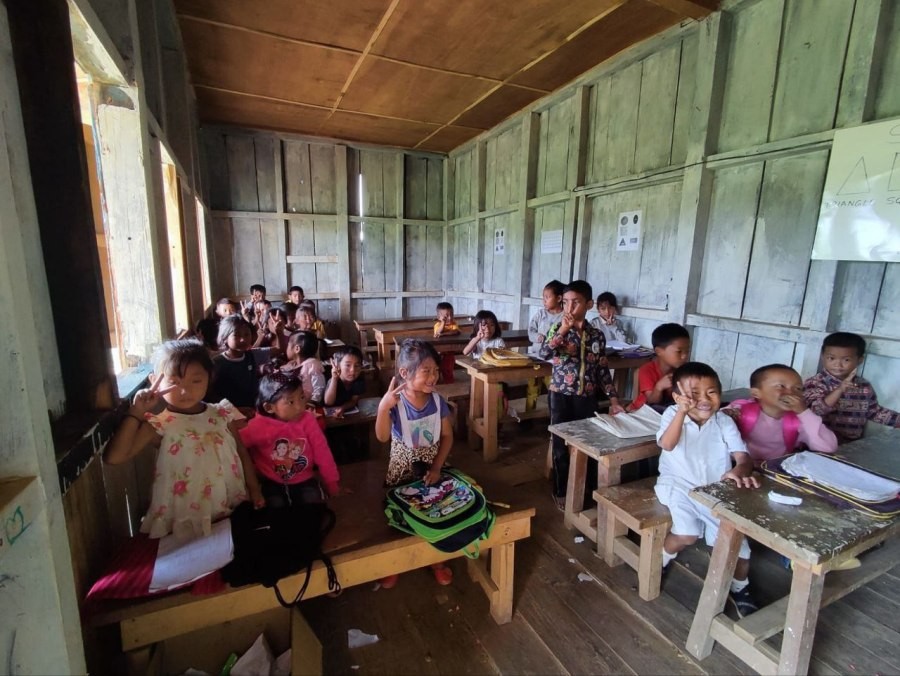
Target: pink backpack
[750,410]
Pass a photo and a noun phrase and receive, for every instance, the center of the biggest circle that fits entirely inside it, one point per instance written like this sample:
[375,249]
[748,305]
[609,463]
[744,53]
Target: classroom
[726,167]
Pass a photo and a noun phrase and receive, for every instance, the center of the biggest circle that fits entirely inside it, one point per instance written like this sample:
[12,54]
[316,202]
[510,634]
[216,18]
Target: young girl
[416,420]
[607,320]
[345,386]
[202,469]
[548,315]
[485,333]
[308,321]
[302,348]
[235,373]
[287,446]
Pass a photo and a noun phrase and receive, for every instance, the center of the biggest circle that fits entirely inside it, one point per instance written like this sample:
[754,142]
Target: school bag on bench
[274,543]
[452,515]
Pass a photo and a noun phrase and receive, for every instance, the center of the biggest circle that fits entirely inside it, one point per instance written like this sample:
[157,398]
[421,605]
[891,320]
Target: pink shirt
[289,452]
[766,440]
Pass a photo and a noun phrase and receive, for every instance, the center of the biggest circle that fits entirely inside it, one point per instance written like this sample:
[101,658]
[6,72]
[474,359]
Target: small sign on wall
[628,230]
[499,241]
[551,241]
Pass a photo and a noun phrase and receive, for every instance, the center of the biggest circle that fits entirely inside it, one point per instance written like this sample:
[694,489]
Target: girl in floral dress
[202,470]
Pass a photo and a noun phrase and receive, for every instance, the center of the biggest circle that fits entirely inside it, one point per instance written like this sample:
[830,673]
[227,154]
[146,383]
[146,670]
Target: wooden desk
[623,369]
[586,440]
[455,344]
[387,334]
[363,325]
[484,393]
[363,548]
[816,536]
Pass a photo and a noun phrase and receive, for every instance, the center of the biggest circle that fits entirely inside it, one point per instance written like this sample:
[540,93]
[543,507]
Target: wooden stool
[634,506]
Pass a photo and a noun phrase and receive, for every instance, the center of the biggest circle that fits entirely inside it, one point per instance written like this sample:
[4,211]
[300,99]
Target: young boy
[547,316]
[249,308]
[607,320]
[296,295]
[672,346]
[776,421]
[844,400]
[580,373]
[699,443]
[225,307]
[445,325]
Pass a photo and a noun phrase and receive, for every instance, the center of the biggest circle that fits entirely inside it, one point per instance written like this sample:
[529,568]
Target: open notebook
[641,423]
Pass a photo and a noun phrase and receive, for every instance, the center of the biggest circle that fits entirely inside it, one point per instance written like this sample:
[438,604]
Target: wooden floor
[573,614]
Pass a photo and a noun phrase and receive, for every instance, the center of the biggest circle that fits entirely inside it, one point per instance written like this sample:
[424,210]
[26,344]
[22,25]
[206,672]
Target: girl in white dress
[202,470]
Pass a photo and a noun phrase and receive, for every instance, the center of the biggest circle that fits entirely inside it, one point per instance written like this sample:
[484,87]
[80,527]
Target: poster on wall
[628,232]
[859,218]
[499,241]
[551,241]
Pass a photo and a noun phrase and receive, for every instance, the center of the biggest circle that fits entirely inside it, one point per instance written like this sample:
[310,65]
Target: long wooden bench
[633,506]
[363,548]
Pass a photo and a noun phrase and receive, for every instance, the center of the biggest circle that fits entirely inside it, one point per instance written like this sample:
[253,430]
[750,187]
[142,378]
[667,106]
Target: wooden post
[521,284]
[400,241]
[343,231]
[479,169]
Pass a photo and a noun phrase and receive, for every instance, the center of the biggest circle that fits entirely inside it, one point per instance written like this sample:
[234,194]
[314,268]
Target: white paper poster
[628,231]
[859,219]
[499,241]
[551,241]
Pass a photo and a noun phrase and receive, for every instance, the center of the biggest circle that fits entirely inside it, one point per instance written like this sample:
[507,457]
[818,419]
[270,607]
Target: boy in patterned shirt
[844,400]
[577,351]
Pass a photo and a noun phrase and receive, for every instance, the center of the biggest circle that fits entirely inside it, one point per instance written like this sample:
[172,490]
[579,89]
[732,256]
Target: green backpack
[451,515]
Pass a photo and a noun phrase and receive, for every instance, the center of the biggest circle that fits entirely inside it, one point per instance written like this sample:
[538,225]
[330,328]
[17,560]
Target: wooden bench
[633,506]
[363,549]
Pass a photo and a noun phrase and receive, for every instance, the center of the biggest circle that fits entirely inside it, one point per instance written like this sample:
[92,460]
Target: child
[207,330]
[275,334]
[225,307]
[296,295]
[485,333]
[235,372]
[416,420]
[776,421]
[202,469]
[445,325]
[844,400]
[672,345]
[607,320]
[699,443]
[548,315]
[580,373]
[345,386]
[307,320]
[290,311]
[302,348]
[287,446]
[257,295]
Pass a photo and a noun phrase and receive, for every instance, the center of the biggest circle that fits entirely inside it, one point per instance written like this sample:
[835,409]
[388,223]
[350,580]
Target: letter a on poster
[628,230]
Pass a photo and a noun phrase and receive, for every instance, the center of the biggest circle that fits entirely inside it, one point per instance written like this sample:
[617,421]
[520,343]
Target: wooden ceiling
[427,74]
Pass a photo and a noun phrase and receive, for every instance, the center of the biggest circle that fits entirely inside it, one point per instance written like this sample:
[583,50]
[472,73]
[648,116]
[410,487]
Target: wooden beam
[400,241]
[521,283]
[479,175]
[343,230]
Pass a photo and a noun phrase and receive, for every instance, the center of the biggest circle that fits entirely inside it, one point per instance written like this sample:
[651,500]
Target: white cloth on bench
[179,563]
[641,423]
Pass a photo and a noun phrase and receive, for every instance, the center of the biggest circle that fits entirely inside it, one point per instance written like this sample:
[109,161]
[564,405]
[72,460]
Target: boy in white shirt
[699,444]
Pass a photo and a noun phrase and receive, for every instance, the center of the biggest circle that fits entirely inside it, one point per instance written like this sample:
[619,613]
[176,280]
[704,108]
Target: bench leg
[503,560]
[306,650]
[650,564]
[607,546]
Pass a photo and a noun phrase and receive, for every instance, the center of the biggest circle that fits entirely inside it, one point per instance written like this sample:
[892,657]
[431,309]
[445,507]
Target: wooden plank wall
[360,229]
[720,132]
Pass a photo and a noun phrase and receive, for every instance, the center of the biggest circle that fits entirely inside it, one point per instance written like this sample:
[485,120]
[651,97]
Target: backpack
[452,515]
[790,423]
[274,543]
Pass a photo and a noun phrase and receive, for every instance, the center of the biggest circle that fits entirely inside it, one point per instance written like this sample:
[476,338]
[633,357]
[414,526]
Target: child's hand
[483,332]
[392,397]
[791,402]
[733,413]
[664,383]
[685,402]
[432,476]
[541,337]
[568,321]
[848,381]
[335,367]
[256,497]
[147,399]
[441,324]
[615,409]
[740,481]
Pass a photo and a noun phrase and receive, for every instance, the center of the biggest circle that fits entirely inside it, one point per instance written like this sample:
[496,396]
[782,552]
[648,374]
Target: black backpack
[274,543]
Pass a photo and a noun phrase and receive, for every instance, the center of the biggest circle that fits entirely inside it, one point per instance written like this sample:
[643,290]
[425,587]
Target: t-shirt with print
[418,433]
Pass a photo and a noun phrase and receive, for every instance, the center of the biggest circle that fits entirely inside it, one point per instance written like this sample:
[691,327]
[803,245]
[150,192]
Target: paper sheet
[643,422]
[178,563]
[832,473]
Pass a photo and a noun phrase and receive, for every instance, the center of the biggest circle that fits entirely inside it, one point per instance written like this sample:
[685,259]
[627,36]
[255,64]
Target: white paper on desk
[854,481]
[643,422]
[619,346]
[179,563]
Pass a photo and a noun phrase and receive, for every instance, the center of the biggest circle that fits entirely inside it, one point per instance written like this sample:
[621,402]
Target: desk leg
[382,357]
[715,589]
[476,403]
[575,486]
[800,622]
[491,421]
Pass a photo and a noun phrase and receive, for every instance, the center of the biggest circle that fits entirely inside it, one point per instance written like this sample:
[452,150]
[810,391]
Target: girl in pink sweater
[776,421]
[287,446]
